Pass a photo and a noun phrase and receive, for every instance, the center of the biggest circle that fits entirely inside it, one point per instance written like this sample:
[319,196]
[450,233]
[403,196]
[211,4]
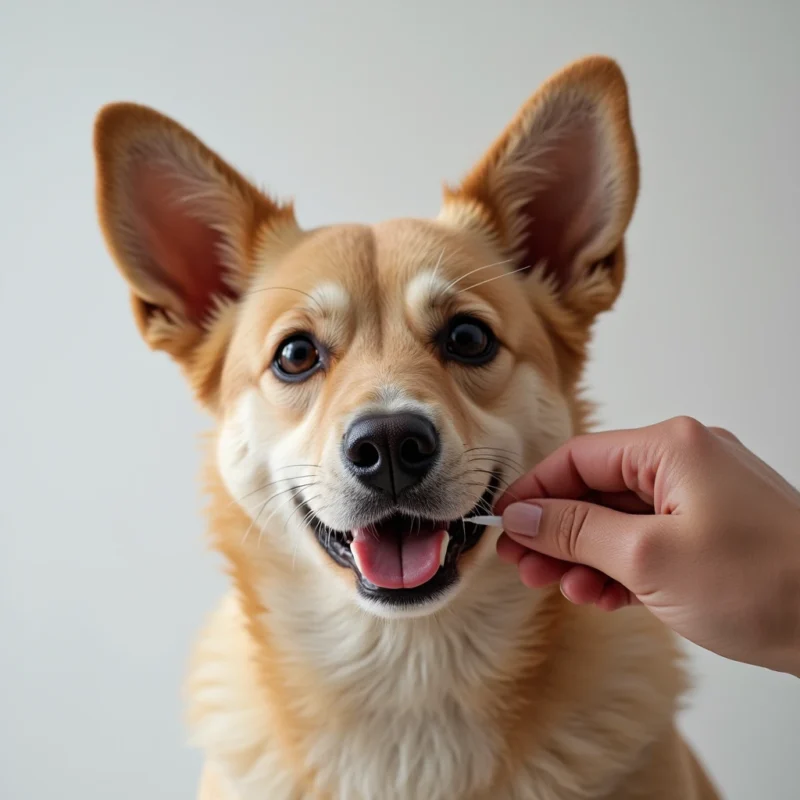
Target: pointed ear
[181,225]
[557,189]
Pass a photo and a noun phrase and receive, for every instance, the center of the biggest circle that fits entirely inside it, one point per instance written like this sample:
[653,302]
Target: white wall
[359,112]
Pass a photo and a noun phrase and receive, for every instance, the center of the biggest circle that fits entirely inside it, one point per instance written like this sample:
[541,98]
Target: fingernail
[522,519]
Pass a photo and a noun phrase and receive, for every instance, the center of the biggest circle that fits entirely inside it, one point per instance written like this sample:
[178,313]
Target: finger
[616,596]
[537,571]
[583,585]
[510,551]
[627,502]
[604,462]
[623,546]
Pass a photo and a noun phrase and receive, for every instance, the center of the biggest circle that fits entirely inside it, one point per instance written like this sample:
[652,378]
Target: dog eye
[297,358]
[470,341]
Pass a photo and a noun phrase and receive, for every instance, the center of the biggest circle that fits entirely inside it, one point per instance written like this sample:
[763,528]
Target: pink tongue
[397,562]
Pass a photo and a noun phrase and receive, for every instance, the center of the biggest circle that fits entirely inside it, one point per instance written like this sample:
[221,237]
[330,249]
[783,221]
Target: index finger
[611,461]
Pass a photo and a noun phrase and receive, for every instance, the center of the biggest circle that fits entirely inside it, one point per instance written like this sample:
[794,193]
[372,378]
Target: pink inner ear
[183,252]
[566,210]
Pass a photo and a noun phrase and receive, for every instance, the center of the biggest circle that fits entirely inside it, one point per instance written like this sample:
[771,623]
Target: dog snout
[391,452]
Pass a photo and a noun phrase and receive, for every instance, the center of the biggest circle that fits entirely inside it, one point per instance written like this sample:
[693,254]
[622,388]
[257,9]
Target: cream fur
[411,692]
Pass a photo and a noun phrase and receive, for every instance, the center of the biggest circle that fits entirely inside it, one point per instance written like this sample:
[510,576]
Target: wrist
[791,601]
[776,625]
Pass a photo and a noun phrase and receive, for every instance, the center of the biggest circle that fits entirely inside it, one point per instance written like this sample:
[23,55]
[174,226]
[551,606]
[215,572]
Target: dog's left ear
[556,191]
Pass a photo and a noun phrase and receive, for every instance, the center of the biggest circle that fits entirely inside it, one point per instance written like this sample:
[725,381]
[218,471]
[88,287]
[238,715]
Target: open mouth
[404,559]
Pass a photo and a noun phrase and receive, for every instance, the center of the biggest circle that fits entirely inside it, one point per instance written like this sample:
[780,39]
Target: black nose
[391,452]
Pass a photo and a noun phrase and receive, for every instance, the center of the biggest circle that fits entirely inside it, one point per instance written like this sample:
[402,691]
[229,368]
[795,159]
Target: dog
[371,387]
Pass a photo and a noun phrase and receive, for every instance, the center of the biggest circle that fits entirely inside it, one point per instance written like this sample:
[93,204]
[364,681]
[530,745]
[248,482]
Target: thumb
[583,533]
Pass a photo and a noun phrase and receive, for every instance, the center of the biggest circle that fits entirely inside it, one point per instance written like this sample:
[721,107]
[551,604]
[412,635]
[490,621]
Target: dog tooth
[443,553]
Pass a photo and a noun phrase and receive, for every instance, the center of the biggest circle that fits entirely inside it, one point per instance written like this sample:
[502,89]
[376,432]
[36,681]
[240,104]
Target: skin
[676,516]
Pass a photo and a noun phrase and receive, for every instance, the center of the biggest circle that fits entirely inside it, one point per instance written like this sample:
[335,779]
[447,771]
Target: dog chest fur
[431,708]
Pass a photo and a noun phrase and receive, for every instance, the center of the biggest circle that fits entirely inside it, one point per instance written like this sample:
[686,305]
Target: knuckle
[570,524]
[645,551]
[688,431]
[724,433]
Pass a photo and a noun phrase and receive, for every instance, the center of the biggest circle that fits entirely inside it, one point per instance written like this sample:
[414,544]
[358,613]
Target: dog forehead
[408,250]
[340,254]
[369,266]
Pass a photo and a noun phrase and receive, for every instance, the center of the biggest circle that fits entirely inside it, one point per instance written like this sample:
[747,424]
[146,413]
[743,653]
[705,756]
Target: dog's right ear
[182,225]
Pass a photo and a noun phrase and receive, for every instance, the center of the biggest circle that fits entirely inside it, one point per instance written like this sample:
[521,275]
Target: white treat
[488,521]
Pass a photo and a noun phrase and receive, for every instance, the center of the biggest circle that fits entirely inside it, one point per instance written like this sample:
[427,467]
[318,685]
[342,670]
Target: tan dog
[371,386]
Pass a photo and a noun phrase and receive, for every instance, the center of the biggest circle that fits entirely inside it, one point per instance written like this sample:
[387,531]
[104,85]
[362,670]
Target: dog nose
[391,452]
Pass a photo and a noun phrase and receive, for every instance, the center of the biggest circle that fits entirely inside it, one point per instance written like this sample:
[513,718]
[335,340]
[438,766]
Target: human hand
[677,516]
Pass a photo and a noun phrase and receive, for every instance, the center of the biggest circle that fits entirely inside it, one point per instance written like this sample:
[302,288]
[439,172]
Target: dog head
[375,385]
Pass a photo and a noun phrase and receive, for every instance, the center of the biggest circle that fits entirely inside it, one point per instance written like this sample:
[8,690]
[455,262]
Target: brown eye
[297,358]
[470,341]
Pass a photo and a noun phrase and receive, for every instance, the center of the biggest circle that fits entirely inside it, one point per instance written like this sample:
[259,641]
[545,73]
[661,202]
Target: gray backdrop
[359,110]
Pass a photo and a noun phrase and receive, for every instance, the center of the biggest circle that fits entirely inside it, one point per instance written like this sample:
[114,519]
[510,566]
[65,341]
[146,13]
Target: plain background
[359,110]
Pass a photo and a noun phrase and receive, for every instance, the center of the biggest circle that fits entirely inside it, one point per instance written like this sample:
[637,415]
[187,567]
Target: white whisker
[495,278]
[305,519]
[289,499]
[435,273]
[254,520]
[473,271]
